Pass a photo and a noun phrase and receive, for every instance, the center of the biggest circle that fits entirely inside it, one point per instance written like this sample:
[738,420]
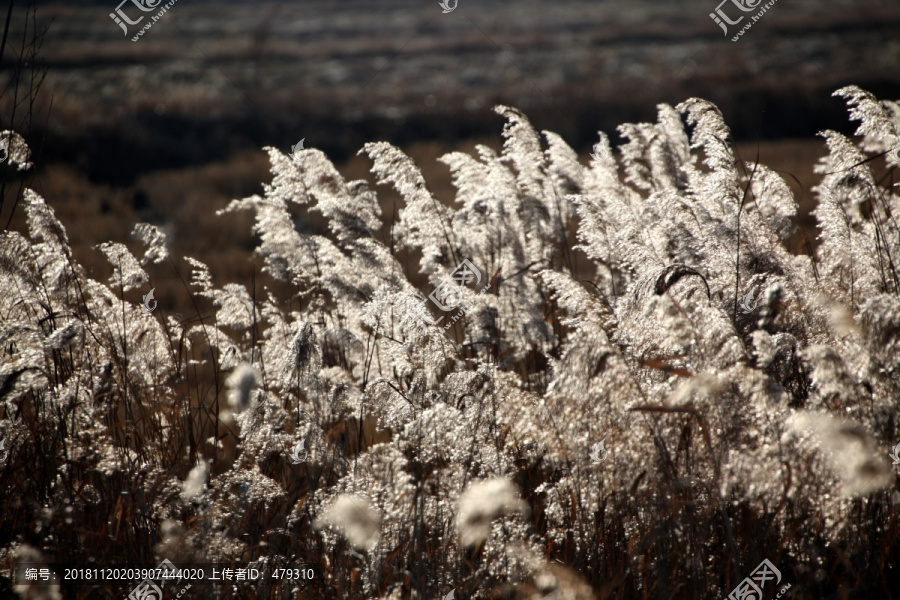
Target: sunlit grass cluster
[460,458]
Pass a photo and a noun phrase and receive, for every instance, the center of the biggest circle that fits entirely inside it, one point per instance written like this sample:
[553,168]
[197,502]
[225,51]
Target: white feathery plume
[354,518]
[195,482]
[481,503]
[241,384]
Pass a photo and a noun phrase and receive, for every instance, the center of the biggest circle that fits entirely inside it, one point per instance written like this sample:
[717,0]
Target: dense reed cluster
[745,397]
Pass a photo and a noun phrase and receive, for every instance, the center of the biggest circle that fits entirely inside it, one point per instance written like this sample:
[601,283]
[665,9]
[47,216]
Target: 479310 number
[293,574]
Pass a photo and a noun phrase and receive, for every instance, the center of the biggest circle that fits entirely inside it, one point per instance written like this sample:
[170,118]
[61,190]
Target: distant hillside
[212,79]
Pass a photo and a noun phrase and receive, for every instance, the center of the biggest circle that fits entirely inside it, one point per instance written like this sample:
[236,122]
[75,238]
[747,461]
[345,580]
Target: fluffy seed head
[195,482]
[481,503]
[850,450]
[354,518]
[240,385]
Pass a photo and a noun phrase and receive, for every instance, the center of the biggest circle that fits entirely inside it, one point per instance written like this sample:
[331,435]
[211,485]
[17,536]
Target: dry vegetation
[460,459]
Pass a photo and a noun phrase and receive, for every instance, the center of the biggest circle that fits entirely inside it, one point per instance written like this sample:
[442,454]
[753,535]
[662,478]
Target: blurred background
[171,127]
